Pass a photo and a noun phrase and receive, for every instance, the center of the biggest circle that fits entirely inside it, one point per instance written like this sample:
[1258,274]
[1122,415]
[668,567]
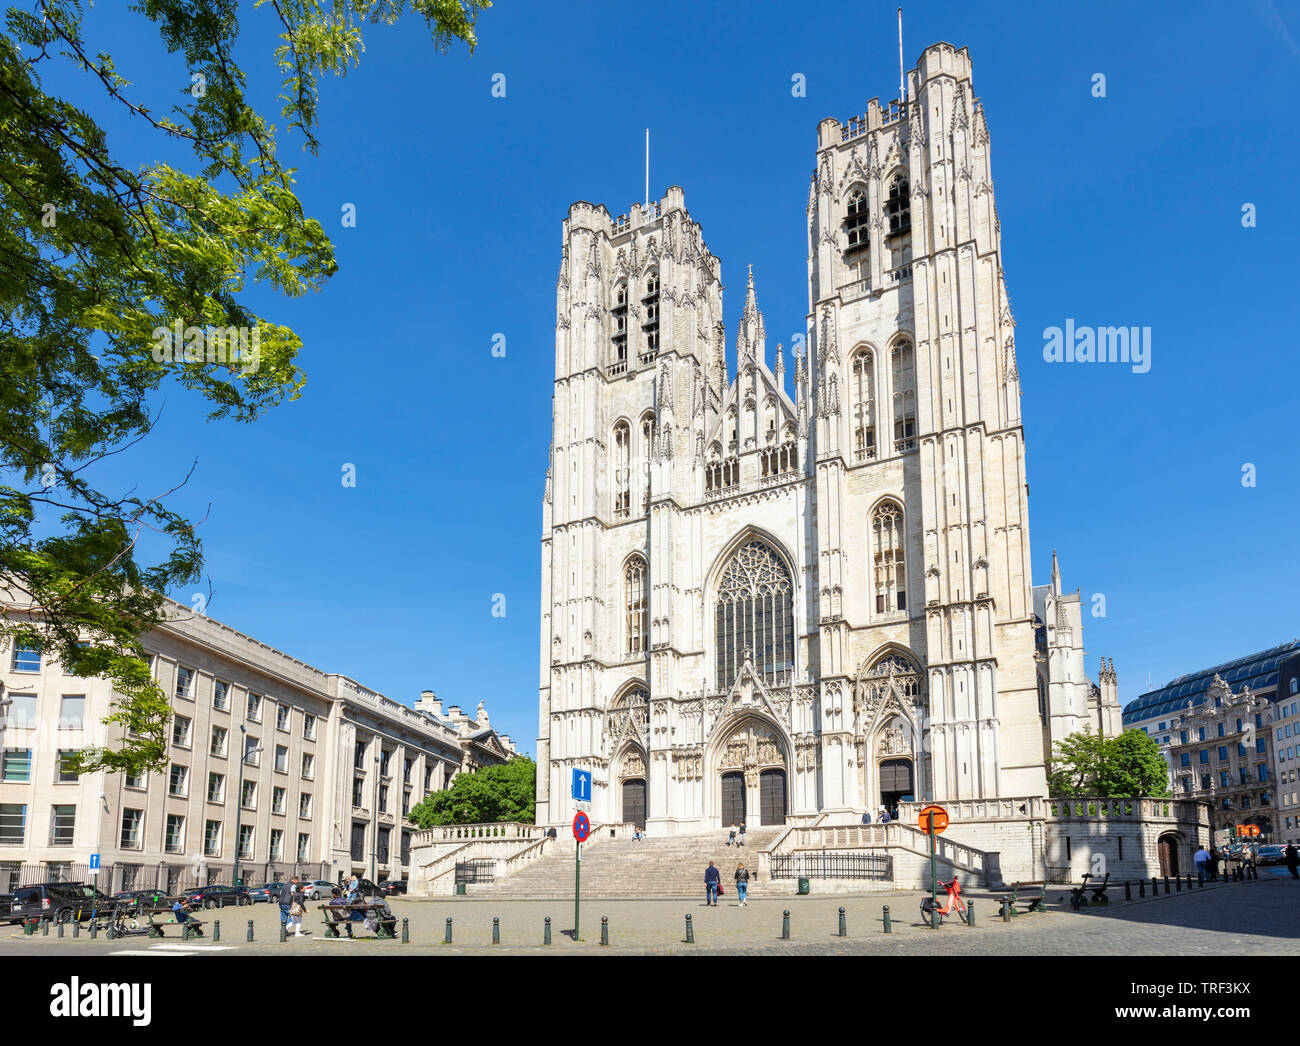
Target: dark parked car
[152,896]
[217,896]
[393,886]
[1271,854]
[61,902]
[265,892]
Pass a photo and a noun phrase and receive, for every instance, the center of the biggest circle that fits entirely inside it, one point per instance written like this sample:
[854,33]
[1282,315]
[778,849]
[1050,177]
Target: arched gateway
[750,772]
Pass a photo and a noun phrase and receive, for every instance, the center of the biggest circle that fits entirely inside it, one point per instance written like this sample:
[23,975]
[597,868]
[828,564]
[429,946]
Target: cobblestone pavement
[1256,918]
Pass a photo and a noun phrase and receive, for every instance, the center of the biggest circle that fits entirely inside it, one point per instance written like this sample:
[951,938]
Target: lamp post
[239,796]
[374,839]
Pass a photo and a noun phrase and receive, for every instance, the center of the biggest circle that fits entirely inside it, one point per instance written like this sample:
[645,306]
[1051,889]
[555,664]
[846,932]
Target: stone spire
[780,367]
[1056,575]
[751,338]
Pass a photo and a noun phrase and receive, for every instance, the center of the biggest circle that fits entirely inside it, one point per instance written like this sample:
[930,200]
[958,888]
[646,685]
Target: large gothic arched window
[889,557]
[637,605]
[862,394]
[904,375]
[755,615]
[622,469]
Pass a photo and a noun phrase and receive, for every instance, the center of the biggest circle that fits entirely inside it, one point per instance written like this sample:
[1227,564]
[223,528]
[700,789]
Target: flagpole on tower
[902,81]
[647,167]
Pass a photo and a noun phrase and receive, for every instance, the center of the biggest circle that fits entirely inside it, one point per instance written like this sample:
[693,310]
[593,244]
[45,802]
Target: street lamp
[239,797]
[374,839]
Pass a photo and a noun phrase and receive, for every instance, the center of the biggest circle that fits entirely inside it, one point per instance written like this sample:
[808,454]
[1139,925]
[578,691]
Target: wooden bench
[1077,898]
[160,917]
[1038,904]
[337,915]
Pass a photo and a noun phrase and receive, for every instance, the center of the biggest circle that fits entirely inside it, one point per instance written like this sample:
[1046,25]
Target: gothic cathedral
[763,602]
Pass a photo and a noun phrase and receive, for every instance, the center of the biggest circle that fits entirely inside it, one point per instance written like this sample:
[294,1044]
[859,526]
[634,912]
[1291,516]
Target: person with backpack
[742,885]
[286,902]
[711,880]
[297,906]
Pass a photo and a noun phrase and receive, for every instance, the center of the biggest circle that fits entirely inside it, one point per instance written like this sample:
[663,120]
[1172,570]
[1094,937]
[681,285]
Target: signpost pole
[934,879]
[577,891]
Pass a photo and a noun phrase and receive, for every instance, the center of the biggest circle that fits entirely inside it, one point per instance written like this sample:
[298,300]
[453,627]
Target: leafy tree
[114,279]
[1124,767]
[496,793]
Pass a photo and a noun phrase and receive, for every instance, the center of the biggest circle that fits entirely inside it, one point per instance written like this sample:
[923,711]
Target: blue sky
[1117,210]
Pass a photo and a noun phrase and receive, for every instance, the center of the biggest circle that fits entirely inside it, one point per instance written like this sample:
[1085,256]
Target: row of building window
[16,766]
[862,400]
[649,325]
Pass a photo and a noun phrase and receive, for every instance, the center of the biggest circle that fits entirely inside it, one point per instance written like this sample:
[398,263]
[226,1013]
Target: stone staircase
[654,867]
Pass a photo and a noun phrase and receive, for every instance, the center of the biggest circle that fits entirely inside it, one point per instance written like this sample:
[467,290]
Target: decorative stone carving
[750,749]
[633,765]
[894,741]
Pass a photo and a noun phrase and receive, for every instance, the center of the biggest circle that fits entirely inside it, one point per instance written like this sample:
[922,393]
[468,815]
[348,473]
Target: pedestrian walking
[740,835]
[731,834]
[711,879]
[883,815]
[1215,858]
[866,817]
[1292,857]
[297,905]
[1202,859]
[286,902]
[742,885]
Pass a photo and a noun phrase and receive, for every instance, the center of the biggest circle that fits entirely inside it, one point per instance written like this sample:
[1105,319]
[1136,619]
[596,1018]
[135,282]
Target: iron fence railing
[832,866]
[173,878]
[479,871]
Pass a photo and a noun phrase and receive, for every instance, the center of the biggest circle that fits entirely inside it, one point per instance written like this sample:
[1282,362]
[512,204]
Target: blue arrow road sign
[94,862]
[582,785]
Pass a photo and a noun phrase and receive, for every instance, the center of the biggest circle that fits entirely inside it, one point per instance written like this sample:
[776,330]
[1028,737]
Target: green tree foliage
[102,265]
[1087,765]
[495,793]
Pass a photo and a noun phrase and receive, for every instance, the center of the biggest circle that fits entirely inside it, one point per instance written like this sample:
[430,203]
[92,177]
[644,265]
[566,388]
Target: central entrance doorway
[733,798]
[896,783]
[771,791]
[634,801]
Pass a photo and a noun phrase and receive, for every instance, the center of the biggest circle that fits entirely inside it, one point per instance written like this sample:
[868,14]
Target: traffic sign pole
[934,880]
[577,892]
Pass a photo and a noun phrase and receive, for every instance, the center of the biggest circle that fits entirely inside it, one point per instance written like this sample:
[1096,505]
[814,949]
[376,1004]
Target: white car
[318,888]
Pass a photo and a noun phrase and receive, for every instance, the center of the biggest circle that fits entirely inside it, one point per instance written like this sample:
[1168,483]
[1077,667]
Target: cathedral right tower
[908,312]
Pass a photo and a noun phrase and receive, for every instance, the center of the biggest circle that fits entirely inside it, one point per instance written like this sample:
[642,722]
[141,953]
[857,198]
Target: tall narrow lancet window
[650,327]
[622,470]
[863,394]
[904,374]
[637,605]
[755,615]
[618,363]
[856,226]
[898,209]
[889,560]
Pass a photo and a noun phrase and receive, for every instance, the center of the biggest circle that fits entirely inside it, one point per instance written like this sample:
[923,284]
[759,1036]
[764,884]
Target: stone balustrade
[451,833]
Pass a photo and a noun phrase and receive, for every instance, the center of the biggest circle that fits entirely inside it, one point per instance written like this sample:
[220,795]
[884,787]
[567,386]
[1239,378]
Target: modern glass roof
[1258,671]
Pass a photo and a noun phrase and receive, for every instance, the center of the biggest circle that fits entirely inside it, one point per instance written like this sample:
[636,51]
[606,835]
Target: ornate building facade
[761,601]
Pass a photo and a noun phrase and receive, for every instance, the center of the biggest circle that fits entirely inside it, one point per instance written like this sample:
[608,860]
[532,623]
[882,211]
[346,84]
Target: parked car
[61,902]
[318,889]
[6,904]
[1273,853]
[152,896]
[266,892]
[217,896]
[393,886]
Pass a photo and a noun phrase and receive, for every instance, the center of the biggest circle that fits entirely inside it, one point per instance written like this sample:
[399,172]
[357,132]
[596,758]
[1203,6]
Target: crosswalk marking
[174,949]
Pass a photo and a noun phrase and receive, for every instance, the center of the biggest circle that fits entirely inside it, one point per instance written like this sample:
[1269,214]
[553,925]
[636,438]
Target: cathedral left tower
[639,376]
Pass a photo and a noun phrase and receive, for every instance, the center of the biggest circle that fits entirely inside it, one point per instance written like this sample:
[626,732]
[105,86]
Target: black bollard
[496,930]
[785,925]
[1006,909]
[76,928]
[1128,890]
[1189,881]
[888,928]
[604,929]
[45,927]
[1155,887]
[216,930]
[94,929]
[1177,882]
[60,933]
[406,932]
[690,931]
[250,931]
[1142,887]
[843,929]
[284,932]
[1166,885]
[546,932]
[446,937]
[970,913]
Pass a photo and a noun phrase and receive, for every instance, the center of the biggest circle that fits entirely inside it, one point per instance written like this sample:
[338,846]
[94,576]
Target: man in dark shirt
[711,879]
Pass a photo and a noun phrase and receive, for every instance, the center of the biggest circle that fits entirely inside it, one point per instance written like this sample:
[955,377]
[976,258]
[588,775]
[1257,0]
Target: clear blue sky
[1122,210]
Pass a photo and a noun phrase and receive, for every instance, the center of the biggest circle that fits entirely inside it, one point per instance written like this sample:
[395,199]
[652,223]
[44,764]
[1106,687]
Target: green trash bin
[460,889]
[803,884]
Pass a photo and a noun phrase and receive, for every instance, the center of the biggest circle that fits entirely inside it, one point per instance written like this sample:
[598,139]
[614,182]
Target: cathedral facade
[762,599]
